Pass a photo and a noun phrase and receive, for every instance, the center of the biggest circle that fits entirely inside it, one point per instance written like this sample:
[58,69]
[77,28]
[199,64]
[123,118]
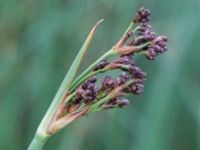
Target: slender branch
[78,83]
[106,55]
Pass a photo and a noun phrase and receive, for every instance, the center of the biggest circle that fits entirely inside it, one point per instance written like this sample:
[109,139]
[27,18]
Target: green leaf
[42,130]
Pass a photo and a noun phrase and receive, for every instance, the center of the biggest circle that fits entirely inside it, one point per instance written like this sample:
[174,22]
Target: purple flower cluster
[145,42]
[144,34]
[108,84]
[139,77]
[144,39]
[158,47]
[142,15]
[129,72]
[101,65]
[87,92]
[126,60]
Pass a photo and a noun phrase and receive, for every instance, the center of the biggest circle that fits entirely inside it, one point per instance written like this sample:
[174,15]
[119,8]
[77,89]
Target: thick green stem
[38,142]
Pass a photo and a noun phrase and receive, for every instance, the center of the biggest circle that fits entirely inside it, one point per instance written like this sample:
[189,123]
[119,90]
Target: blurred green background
[40,38]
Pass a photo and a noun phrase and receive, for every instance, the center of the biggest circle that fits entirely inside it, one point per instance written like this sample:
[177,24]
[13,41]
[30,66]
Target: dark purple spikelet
[144,28]
[76,100]
[122,103]
[125,60]
[92,79]
[137,87]
[137,73]
[108,83]
[88,91]
[142,15]
[144,37]
[158,47]
[101,65]
[123,78]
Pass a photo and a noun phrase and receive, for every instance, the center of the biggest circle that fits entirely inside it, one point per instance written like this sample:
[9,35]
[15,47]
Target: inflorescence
[140,40]
[88,92]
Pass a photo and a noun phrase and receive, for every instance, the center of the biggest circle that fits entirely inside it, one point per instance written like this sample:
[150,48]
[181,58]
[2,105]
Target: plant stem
[107,54]
[130,27]
[86,77]
[38,142]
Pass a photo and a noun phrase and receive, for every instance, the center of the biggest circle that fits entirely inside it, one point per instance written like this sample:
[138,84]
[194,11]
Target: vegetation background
[40,38]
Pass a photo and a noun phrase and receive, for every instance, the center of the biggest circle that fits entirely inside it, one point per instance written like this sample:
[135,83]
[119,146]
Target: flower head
[140,39]
[142,15]
[87,94]
[88,91]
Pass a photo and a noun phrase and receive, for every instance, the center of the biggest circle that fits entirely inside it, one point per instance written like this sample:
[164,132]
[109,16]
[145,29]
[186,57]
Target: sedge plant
[80,96]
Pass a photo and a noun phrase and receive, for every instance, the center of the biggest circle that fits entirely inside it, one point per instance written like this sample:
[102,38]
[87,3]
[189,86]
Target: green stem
[130,27]
[107,54]
[78,83]
[38,142]
[69,98]
[100,102]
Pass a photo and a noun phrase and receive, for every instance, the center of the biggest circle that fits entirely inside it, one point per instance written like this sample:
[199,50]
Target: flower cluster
[142,39]
[158,47]
[142,15]
[87,92]
[138,39]
[101,65]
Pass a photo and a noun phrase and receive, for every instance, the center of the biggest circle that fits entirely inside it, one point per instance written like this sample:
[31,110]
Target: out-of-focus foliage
[40,38]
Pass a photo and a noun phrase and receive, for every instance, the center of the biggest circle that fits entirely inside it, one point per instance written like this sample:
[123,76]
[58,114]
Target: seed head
[123,103]
[137,87]
[158,47]
[109,83]
[123,78]
[88,91]
[101,65]
[125,59]
[142,15]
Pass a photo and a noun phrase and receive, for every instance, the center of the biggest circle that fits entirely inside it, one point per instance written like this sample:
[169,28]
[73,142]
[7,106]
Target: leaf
[75,65]
[61,123]
[66,82]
